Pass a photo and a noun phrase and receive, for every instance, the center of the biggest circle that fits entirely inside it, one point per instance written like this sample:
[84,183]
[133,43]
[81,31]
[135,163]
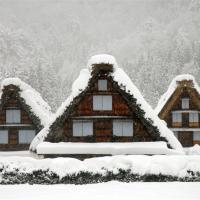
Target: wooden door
[186,138]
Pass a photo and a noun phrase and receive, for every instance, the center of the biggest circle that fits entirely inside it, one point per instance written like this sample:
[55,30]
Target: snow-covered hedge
[18,170]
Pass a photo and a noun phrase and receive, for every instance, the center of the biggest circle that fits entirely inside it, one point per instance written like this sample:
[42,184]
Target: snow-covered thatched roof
[120,77]
[102,59]
[172,87]
[32,98]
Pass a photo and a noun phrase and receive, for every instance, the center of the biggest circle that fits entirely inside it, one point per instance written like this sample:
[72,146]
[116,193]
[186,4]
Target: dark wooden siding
[103,120]
[175,104]
[26,124]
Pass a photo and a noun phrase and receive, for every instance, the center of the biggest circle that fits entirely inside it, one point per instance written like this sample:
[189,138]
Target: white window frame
[194,117]
[10,118]
[5,135]
[82,124]
[177,117]
[119,127]
[185,103]
[100,102]
[24,133]
[102,84]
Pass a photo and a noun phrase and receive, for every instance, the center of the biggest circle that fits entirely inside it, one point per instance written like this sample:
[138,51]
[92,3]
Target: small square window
[102,102]
[13,116]
[185,103]
[102,85]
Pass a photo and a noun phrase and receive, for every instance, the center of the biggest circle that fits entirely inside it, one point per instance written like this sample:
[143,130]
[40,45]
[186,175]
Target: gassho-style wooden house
[23,113]
[104,115]
[180,107]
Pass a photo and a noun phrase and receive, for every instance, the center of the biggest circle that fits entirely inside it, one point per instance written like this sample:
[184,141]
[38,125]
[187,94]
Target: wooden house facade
[100,110]
[21,113]
[180,108]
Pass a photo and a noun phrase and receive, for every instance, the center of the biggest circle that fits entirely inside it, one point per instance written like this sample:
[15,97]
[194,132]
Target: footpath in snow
[103,191]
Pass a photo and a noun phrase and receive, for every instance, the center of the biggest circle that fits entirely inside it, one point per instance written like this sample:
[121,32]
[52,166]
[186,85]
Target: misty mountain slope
[47,42]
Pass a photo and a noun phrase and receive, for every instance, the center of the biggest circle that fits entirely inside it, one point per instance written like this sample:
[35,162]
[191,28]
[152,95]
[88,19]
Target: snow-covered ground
[103,191]
[15,153]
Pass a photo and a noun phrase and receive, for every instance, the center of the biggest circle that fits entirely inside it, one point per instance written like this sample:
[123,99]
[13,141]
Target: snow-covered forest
[47,42]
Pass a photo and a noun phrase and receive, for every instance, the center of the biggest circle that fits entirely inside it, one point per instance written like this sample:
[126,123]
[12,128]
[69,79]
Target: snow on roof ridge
[102,59]
[172,87]
[122,79]
[32,98]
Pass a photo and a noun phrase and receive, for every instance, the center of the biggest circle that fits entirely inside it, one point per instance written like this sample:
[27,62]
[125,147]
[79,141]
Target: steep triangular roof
[38,109]
[125,86]
[174,85]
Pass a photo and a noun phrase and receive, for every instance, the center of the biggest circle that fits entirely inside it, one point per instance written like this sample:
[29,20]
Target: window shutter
[107,102]
[179,117]
[196,117]
[9,116]
[102,85]
[97,102]
[77,129]
[128,128]
[16,116]
[117,128]
[3,136]
[191,117]
[87,128]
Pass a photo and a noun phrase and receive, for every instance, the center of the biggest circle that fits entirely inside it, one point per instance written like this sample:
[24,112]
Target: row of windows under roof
[120,128]
[100,103]
[24,136]
[177,117]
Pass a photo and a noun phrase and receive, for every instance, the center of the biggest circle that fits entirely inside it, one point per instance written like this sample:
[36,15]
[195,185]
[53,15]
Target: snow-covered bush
[18,170]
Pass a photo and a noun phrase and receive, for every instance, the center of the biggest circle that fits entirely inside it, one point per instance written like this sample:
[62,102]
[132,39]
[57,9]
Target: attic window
[13,116]
[102,85]
[185,103]
[102,102]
